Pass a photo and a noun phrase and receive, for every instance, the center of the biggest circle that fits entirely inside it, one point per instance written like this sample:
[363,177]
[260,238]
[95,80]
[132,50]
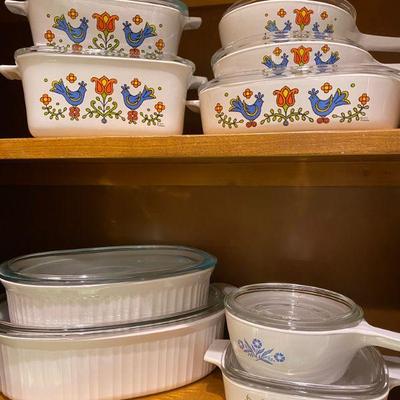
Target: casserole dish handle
[17,7]
[193,105]
[393,364]
[215,353]
[378,337]
[10,72]
[197,81]
[379,43]
[192,23]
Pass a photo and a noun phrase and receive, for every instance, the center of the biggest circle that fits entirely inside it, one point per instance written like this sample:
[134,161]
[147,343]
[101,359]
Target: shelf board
[269,145]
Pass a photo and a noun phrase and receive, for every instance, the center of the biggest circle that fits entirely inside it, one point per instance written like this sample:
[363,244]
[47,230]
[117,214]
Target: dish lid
[366,378]
[214,306]
[343,4]
[105,265]
[279,39]
[293,307]
[84,52]
[176,4]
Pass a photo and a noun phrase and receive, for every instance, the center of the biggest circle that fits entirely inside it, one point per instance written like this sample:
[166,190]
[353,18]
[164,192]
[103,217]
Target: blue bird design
[77,35]
[267,61]
[75,98]
[250,112]
[272,27]
[318,34]
[133,102]
[136,39]
[332,59]
[323,108]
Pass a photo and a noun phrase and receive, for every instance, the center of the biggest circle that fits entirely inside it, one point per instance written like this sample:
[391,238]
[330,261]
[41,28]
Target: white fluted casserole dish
[96,93]
[109,363]
[113,285]
[323,17]
[369,377]
[147,27]
[299,333]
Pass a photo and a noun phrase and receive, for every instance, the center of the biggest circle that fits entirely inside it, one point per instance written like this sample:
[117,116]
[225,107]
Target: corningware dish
[368,377]
[323,17]
[110,363]
[319,98]
[93,93]
[106,285]
[148,27]
[299,333]
[282,52]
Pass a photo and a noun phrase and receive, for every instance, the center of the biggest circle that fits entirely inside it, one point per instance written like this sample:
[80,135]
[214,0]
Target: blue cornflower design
[241,344]
[279,357]
[257,343]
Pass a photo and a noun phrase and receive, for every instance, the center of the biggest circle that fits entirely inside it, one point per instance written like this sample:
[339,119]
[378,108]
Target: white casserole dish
[299,333]
[301,99]
[369,377]
[112,285]
[323,17]
[287,51]
[92,93]
[109,363]
[148,27]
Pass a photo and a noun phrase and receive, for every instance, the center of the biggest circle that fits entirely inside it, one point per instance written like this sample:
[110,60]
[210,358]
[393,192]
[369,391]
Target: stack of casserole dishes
[108,323]
[104,68]
[294,341]
[295,65]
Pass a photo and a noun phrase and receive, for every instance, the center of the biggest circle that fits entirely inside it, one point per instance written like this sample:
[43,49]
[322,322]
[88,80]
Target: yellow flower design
[281,13]
[324,15]
[49,36]
[247,93]
[325,48]
[277,51]
[137,19]
[160,107]
[73,14]
[71,78]
[364,99]
[136,83]
[218,108]
[326,87]
[45,99]
[160,44]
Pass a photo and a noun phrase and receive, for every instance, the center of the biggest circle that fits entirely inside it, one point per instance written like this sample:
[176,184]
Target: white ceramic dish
[113,285]
[282,52]
[92,93]
[108,363]
[301,99]
[299,333]
[137,26]
[323,17]
[367,378]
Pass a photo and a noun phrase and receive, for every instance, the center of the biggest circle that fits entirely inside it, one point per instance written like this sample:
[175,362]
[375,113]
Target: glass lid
[105,265]
[293,307]
[343,4]
[366,378]
[135,54]
[279,39]
[176,4]
[214,306]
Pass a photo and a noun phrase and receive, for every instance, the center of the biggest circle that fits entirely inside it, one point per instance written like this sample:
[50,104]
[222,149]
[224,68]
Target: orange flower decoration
[135,53]
[104,86]
[281,13]
[326,87]
[136,83]
[277,51]
[364,99]
[303,17]
[75,113]
[325,48]
[285,97]
[71,78]
[49,36]
[247,93]
[301,55]
[73,14]
[324,15]
[133,116]
[160,107]
[219,108]
[160,44]
[105,22]
[45,99]
[77,48]
[137,19]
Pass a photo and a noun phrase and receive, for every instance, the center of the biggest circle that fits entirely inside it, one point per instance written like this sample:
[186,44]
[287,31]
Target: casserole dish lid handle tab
[192,23]
[17,7]
[193,105]
[378,43]
[393,365]
[215,354]
[10,72]
[196,83]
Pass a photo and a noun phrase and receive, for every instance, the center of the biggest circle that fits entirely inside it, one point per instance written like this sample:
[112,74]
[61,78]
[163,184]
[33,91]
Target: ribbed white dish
[107,366]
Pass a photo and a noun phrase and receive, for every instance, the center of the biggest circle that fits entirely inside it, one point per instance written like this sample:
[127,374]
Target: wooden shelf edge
[304,144]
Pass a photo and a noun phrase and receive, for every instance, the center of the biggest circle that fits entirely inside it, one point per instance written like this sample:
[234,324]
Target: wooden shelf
[305,144]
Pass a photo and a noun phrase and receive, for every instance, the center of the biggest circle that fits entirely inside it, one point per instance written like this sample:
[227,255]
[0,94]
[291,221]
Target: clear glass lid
[214,306]
[294,307]
[366,378]
[105,265]
[176,4]
[343,4]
